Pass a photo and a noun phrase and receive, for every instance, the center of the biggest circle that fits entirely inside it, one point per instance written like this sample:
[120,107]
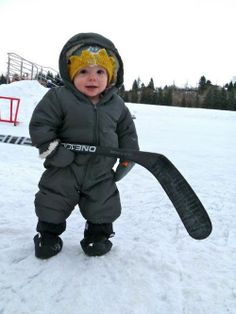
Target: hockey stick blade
[191,211]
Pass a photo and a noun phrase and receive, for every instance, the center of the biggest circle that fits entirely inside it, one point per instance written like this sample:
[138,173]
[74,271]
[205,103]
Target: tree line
[205,95]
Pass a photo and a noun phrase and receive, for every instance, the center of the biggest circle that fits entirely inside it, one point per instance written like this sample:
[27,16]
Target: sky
[171,41]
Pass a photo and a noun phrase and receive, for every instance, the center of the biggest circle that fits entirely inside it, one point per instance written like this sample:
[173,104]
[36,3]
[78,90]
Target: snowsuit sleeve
[126,131]
[46,120]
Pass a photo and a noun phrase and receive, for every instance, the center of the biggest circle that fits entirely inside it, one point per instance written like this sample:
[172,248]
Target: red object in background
[13,110]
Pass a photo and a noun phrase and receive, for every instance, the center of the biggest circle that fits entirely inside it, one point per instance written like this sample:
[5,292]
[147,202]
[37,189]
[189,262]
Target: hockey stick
[190,209]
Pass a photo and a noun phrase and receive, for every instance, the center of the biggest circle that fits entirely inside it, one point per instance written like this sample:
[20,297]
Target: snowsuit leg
[100,203]
[99,199]
[61,189]
[57,195]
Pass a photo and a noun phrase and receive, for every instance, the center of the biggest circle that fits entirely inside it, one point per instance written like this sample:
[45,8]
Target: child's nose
[92,76]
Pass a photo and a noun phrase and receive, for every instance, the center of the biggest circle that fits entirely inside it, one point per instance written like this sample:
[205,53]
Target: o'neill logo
[80,147]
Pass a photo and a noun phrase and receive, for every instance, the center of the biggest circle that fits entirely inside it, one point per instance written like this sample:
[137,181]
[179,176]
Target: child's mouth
[91,87]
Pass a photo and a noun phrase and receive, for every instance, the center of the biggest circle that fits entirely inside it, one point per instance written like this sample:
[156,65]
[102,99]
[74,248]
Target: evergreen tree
[231,100]
[206,95]
[230,86]
[202,84]
[135,86]
[159,99]
[134,92]
[148,94]
[3,79]
[167,96]
[122,93]
[143,95]
[208,83]
[223,99]
[213,98]
[151,84]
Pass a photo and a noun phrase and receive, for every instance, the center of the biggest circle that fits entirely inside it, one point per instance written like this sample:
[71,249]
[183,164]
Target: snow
[154,266]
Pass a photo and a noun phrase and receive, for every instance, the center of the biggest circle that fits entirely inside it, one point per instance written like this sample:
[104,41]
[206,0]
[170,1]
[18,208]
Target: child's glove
[48,149]
[56,155]
[122,169]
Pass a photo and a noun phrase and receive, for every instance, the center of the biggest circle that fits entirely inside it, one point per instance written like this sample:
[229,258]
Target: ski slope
[154,266]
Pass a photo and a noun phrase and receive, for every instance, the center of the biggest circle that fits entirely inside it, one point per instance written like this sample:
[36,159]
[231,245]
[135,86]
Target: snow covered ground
[154,266]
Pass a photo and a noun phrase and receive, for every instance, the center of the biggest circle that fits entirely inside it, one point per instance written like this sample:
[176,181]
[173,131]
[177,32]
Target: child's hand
[56,155]
[122,169]
[61,158]
[48,149]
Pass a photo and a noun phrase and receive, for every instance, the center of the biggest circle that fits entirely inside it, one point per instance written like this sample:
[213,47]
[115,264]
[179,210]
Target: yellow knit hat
[88,58]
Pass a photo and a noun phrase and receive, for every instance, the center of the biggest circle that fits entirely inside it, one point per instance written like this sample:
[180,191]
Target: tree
[230,86]
[202,84]
[148,94]
[3,79]
[123,93]
[231,100]
[159,96]
[134,92]
[213,98]
[135,86]
[151,84]
[167,96]
[223,99]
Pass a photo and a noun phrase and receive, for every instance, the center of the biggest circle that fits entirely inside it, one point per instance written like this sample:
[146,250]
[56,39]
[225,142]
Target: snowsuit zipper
[96,128]
[95,142]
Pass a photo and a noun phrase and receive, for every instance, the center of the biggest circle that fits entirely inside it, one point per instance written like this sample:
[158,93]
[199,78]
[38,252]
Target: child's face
[91,81]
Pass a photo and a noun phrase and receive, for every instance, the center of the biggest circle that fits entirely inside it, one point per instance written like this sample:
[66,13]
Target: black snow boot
[47,245]
[96,239]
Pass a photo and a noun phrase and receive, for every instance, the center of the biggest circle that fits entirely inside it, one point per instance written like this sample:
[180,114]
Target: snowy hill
[154,266]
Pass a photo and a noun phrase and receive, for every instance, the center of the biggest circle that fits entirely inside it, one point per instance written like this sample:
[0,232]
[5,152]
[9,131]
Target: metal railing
[18,68]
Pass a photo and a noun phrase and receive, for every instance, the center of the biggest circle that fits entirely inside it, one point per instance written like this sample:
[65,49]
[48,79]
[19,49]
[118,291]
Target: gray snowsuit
[66,114]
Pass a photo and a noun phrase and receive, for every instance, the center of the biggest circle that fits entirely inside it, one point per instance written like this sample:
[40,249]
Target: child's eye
[83,71]
[101,71]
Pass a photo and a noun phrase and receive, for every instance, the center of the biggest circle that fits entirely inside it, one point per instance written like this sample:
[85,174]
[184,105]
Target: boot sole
[96,248]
